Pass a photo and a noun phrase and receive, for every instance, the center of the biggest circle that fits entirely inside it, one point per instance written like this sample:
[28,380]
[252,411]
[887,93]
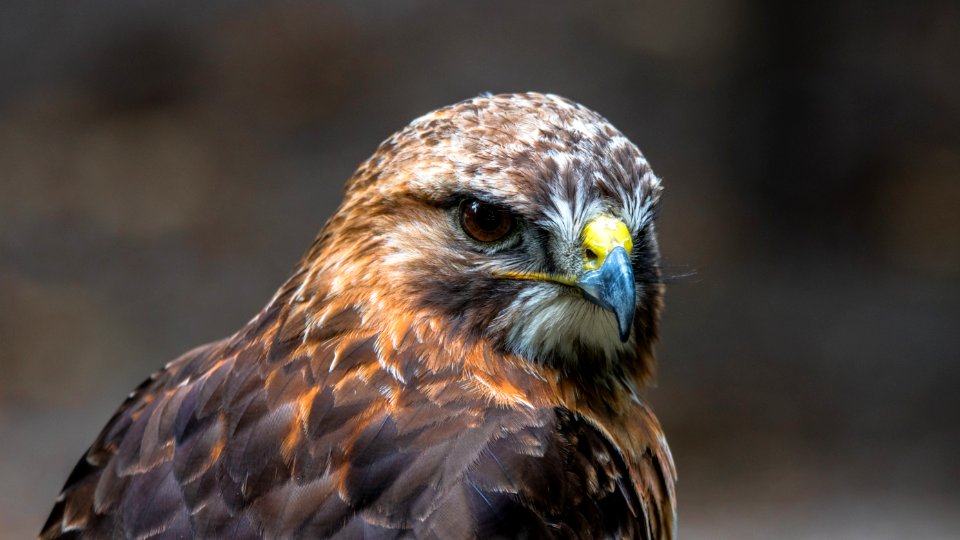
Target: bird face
[526,220]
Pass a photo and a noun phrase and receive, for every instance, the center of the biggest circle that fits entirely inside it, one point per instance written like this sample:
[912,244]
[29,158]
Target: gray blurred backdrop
[163,165]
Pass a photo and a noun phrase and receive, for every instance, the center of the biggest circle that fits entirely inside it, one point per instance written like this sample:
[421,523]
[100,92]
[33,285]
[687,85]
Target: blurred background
[163,166]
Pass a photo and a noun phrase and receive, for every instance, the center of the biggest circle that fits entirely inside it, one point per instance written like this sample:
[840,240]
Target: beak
[608,280]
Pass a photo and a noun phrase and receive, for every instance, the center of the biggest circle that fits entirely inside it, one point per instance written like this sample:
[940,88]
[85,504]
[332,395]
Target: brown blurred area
[163,166]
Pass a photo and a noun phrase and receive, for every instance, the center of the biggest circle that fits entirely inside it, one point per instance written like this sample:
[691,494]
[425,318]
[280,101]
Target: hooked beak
[608,278]
[612,287]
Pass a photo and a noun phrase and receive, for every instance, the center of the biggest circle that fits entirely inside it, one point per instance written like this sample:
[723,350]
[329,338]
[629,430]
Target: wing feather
[231,440]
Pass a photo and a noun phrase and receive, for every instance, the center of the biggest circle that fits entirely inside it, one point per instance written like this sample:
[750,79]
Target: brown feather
[361,403]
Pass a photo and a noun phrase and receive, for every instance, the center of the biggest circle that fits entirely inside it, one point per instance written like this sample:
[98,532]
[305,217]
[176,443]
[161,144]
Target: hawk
[460,354]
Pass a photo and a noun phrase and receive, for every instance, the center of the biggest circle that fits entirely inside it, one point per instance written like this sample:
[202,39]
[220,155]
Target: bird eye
[485,222]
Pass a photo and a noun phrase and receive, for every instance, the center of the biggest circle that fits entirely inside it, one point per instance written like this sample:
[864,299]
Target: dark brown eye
[485,222]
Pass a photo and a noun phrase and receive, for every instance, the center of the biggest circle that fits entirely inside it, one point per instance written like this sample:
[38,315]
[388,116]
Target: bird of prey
[460,354]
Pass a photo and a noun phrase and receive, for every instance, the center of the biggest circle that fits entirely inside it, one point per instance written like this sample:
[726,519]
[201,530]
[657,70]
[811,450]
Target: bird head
[524,221]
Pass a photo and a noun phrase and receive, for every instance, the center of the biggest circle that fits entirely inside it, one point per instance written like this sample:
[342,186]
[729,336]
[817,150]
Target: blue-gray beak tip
[613,288]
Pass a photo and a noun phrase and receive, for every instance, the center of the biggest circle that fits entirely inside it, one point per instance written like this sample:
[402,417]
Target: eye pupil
[485,222]
[487,218]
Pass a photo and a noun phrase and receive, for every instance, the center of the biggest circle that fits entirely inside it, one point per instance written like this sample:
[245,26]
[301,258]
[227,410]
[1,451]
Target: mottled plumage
[408,380]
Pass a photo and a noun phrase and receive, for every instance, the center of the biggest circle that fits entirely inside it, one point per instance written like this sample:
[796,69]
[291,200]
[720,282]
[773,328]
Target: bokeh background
[163,166]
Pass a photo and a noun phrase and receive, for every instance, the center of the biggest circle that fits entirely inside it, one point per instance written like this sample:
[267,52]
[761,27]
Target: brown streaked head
[527,220]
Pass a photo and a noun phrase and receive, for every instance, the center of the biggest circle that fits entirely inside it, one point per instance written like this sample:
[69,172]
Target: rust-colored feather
[357,405]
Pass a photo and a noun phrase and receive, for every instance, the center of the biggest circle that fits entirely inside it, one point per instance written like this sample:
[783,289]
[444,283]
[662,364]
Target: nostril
[592,258]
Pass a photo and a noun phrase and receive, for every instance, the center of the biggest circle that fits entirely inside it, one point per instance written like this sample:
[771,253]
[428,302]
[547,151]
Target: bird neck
[353,330]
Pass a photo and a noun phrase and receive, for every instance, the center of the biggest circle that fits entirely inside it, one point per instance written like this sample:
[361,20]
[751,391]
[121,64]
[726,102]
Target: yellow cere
[600,237]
